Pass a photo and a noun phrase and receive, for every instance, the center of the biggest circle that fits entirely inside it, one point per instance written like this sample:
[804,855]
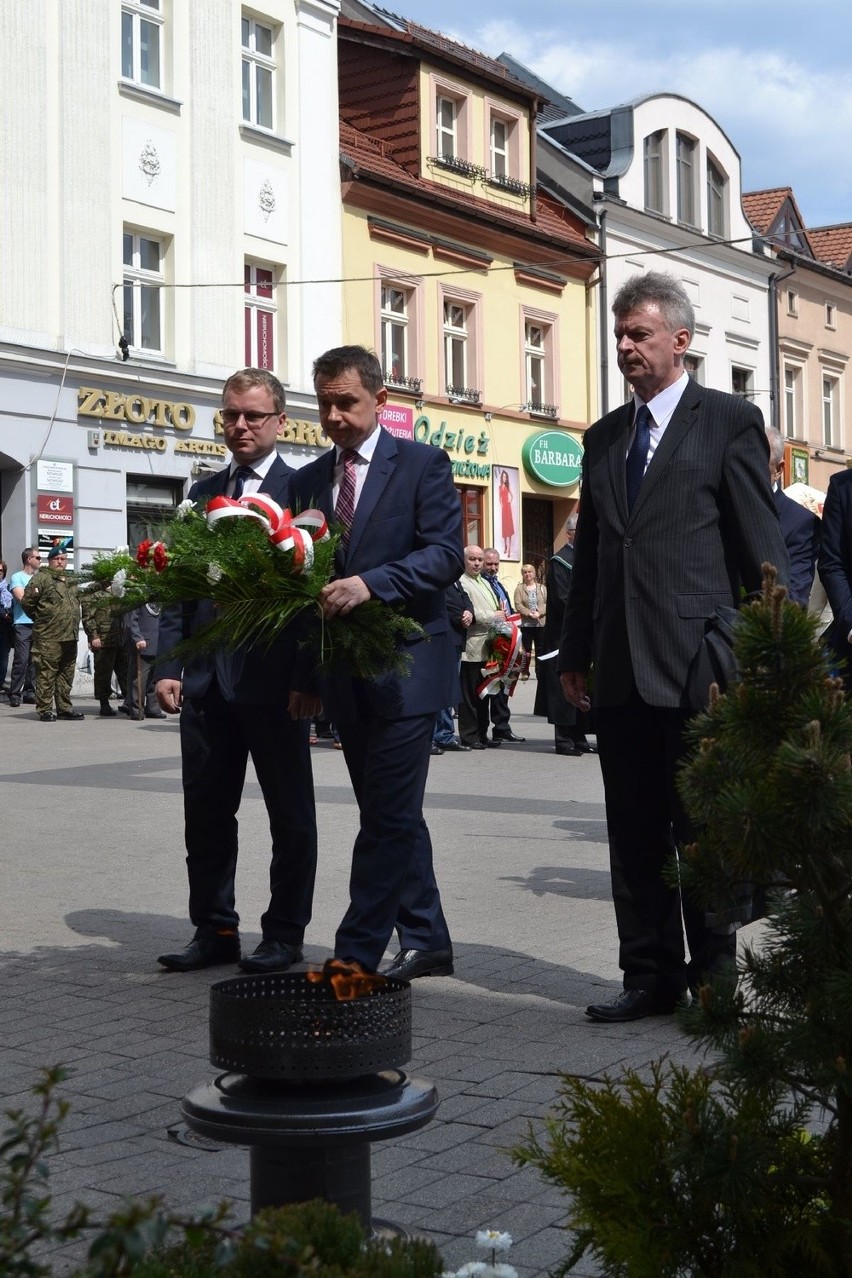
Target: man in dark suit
[402,545]
[835,568]
[569,724]
[799,527]
[676,515]
[251,701]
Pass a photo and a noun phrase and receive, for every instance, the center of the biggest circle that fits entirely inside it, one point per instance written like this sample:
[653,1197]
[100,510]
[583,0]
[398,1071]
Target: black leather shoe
[507,736]
[70,714]
[156,714]
[633,1005]
[586,747]
[271,956]
[493,744]
[436,749]
[14,701]
[573,752]
[409,964]
[203,951]
[29,699]
[477,745]
[47,716]
[451,747]
[106,711]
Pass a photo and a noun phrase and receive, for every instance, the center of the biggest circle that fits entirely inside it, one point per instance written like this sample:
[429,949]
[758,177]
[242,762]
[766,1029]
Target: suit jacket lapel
[276,482]
[617,458]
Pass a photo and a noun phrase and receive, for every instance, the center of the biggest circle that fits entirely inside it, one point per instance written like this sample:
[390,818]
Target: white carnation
[116,586]
[214,574]
[184,508]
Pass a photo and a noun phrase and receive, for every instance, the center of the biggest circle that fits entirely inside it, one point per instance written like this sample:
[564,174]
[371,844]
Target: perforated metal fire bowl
[311,1083]
[283,1027]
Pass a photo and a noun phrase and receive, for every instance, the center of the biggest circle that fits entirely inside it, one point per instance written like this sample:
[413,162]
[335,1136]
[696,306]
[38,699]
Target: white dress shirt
[363,457]
[661,408]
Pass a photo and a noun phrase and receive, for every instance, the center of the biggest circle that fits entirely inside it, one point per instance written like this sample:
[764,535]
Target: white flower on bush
[116,586]
[492,1240]
[487,1240]
[122,550]
[214,574]
[184,508]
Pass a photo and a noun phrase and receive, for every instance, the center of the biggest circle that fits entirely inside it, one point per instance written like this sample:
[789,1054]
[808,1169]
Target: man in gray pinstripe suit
[676,515]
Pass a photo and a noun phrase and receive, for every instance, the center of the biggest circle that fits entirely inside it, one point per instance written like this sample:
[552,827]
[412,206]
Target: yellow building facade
[476,289]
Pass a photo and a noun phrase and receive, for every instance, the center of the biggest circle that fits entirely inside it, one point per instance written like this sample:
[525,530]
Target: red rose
[160,556]
[142,552]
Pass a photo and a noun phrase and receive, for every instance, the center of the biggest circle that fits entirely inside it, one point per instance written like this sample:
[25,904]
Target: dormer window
[654,162]
[687,155]
[447,129]
[716,199]
[499,147]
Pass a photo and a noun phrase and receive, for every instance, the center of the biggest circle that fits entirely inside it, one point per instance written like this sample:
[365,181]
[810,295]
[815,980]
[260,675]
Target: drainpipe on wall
[604,325]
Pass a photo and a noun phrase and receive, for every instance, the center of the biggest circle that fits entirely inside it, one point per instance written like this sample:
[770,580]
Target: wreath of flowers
[504,657]
[263,568]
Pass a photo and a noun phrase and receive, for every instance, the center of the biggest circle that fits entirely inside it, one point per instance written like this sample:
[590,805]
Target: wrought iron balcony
[541,410]
[464,395]
[515,185]
[400,382]
[457,165]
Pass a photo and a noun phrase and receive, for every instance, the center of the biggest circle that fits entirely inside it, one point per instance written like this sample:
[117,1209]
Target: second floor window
[535,355]
[143,293]
[830,433]
[654,182]
[394,333]
[455,347]
[742,382]
[141,37]
[791,396]
[259,316]
[686,157]
[258,74]
[447,128]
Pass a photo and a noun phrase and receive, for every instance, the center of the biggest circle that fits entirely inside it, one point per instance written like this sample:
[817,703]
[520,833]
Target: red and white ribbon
[507,660]
[284,531]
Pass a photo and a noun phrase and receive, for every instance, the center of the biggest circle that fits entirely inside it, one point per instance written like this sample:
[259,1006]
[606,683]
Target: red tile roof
[762,207]
[427,41]
[833,244]
[373,158]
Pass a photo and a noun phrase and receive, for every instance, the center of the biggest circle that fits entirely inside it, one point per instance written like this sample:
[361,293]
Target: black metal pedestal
[311,1140]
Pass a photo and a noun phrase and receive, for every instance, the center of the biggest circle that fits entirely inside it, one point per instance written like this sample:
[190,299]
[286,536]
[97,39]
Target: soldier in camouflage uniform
[104,627]
[51,600]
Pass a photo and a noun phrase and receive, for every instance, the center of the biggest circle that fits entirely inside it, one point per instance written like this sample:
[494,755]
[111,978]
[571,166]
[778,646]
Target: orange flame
[347,980]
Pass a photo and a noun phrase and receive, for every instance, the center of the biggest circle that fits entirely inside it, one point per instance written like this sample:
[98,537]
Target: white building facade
[671,200]
[170,213]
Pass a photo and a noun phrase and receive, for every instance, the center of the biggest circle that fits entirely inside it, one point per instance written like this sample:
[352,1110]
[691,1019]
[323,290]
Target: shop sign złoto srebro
[554,458]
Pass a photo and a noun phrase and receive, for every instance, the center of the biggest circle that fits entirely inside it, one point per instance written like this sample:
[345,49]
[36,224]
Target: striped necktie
[344,510]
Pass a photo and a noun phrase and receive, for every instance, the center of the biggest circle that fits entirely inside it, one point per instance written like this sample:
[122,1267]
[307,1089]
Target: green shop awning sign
[553,458]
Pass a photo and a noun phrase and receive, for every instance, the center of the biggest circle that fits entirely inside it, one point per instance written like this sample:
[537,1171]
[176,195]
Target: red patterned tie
[344,510]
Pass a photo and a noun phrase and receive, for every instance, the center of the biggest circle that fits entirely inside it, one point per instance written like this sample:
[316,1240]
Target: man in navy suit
[252,701]
[402,545]
[676,515]
[800,528]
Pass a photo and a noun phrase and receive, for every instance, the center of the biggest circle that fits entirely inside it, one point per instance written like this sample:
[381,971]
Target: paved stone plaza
[94,888]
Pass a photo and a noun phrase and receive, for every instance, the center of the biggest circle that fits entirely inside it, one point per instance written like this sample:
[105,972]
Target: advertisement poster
[505,508]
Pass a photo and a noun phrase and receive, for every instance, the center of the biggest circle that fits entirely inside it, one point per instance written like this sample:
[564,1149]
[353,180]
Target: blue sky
[775,74]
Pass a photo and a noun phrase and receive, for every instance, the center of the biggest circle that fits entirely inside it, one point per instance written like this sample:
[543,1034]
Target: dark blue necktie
[241,474]
[637,458]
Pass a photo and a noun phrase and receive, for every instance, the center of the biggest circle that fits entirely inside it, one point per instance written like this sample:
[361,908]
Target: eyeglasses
[230,417]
